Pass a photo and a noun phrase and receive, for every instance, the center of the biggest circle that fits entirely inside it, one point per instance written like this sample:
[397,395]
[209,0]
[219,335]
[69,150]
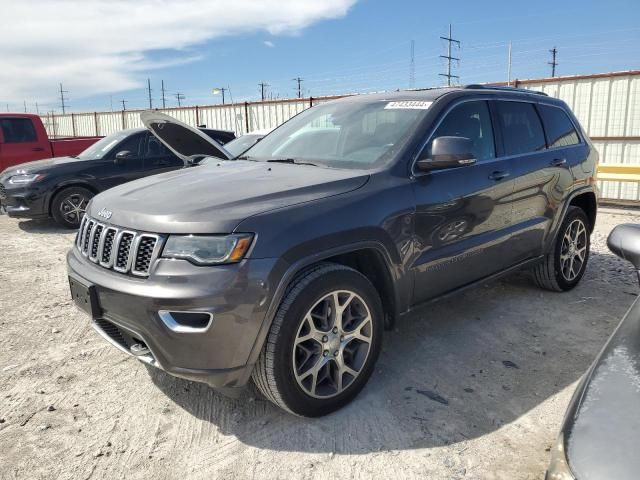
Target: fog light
[186,322]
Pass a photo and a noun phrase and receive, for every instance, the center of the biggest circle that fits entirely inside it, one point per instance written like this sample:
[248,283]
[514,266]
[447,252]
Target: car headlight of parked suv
[25,178]
[208,250]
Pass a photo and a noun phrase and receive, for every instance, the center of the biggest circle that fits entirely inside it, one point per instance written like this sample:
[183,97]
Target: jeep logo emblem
[104,213]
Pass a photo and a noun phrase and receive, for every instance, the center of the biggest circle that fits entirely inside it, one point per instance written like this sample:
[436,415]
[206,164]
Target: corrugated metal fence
[607,105]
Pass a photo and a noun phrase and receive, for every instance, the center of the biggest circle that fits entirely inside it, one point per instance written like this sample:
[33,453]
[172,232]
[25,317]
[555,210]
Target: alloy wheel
[573,250]
[73,208]
[332,344]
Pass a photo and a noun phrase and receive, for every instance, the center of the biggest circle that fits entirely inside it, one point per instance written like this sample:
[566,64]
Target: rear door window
[521,128]
[18,130]
[559,127]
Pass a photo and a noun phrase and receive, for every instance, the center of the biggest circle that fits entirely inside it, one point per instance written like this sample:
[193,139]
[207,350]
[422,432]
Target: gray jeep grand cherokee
[285,265]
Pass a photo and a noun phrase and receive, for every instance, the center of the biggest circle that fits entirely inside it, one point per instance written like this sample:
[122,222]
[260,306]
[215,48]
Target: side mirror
[122,156]
[448,152]
[624,241]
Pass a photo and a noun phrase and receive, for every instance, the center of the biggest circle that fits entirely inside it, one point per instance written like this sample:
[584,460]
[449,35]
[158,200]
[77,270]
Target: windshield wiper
[290,160]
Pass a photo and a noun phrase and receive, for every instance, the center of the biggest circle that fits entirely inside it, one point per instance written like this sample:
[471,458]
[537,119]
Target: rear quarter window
[521,128]
[18,130]
[559,127]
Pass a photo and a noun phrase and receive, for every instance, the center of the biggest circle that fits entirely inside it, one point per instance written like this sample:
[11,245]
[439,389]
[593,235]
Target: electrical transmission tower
[62,100]
[553,62]
[180,97]
[149,91]
[412,66]
[299,81]
[263,89]
[450,41]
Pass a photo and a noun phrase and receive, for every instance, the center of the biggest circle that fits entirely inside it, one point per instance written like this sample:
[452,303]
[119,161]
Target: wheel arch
[59,188]
[584,198]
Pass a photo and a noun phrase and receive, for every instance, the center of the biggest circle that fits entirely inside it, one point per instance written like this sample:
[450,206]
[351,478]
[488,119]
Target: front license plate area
[84,296]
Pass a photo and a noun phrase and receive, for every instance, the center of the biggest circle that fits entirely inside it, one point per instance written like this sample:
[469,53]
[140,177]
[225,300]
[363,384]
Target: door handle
[499,175]
[38,149]
[558,162]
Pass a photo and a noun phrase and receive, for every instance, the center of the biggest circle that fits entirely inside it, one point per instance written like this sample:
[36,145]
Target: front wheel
[565,265]
[69,205]
[323,342]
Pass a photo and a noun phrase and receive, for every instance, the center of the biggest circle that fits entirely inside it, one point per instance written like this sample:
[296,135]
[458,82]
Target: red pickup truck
[23,138]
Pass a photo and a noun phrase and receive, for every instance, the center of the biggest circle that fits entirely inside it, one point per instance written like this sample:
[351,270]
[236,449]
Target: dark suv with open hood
[285,265]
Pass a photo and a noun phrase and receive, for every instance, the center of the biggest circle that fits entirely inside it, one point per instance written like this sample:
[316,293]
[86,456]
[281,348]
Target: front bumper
[237,297]
[23,202]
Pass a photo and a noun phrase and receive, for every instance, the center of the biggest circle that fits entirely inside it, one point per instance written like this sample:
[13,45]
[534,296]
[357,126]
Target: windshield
[241,144]
[102,146]
[343,134]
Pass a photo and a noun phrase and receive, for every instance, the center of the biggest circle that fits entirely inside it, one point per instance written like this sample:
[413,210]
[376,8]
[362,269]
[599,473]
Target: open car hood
[186,142]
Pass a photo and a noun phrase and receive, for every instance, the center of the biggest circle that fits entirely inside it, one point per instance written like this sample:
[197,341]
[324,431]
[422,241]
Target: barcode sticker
[408,104]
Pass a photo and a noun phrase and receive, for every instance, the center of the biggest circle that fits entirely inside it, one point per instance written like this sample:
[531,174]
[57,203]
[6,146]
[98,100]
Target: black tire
[549,274]
[69,219]
[274,372]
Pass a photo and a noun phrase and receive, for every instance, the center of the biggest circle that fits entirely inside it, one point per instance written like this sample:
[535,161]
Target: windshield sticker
[408,104]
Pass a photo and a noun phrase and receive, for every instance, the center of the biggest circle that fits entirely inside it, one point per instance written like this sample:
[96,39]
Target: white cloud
[103,46]
[269,43]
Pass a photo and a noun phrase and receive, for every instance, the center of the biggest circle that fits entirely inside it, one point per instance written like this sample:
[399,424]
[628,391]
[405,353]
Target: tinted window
[155,148]
[521,128]
[131,144]
[18,130]
[560,130]
[470,120]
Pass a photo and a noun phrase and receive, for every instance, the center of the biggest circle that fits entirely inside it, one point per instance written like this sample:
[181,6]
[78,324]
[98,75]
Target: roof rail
[477,86]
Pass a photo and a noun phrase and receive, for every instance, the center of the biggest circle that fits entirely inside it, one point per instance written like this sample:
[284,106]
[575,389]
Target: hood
[186,142]
[40,166]
[215,198]
[603,424]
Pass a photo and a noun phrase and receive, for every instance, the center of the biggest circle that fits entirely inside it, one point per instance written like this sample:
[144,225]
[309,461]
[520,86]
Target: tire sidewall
[573,214]
[59,198]
[292,394]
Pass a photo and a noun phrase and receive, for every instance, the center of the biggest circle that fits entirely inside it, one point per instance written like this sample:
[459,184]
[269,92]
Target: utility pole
[450,41]
[124,104]
[37,109]
[111,101]
[163,101]
[222,90]
[553,62]
[509,67]
[25,106]
[412,66]
[180,97]
[149,90]
[299,81]
[62,104]
[263,86]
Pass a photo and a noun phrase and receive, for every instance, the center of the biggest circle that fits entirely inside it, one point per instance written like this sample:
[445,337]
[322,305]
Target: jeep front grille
[124,251]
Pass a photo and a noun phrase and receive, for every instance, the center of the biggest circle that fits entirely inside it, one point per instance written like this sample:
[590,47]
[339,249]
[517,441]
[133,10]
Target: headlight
[25,178]
[208,250]
[558,467]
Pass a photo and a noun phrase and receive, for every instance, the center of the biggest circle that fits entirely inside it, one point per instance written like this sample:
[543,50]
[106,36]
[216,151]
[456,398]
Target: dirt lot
[473,387]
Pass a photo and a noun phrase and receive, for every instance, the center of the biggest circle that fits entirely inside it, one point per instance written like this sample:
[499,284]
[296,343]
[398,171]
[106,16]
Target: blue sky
[361,47]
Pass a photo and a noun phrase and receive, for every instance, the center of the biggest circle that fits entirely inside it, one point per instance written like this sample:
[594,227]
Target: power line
[412,66]
[450,41]
[553,62]
[180,97]
[62,104]
[149,90]
[299,80]
[163,100]
[263,86]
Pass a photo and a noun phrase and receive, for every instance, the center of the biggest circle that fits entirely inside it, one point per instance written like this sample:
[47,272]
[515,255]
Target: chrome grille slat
[124,251]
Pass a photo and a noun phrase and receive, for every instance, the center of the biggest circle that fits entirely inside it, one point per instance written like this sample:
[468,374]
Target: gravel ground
[474,386]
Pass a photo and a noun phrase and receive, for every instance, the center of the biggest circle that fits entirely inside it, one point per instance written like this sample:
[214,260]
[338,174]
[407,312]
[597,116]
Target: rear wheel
[323,343]
[563,267]
[69,205]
